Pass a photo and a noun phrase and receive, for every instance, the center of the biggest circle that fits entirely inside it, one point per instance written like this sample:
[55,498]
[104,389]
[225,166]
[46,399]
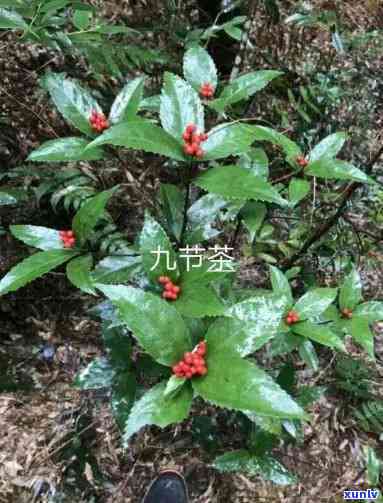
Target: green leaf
[118,344]
[33,267]
[127,102]
[173,385]
[199,68]
[155,408]
[173,204]
[280,284]
[98,374]
[116,269]
[290,148]
[298,190]
[141,134]
[123,396]
[233,182]
[90,213]
[201,217]
[180,106]
[362,334]
[155,323]
[237,384]
[243,87]
[329,147]
[153,238]
[337,170]
[313,303]
[374,465]
[197,301]
[10,196]
[318,333]
[11,20]
[308,354]
[74,103]
[255,159]
[82,19]
[351,291]
[64,150]
[78,273]
[372,311]
[38,237]
[253,215]
[151,103]
[228,139]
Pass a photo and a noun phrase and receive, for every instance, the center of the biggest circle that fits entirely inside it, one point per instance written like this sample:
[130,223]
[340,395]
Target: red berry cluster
[193,364]
[192,139]
[207,90]
[171,291]
[346,313]
[302,161]
[292,317]
[98,121]
[68,238]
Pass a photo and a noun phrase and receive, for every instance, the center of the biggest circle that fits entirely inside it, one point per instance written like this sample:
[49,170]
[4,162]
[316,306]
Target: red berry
[188,358]
[163,279]
[168,286]
[186,136]
[189,149]
[190,128]
[203,371]
[204,137]
[166,295]
[199,153]
[176,289]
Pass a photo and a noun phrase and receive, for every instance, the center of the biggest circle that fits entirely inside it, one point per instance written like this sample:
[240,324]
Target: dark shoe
[168,487]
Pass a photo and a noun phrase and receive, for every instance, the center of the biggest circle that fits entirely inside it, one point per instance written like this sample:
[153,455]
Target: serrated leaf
[201,217]
[298,190]
[155,323]
[372,311]
[143,135]
[153,239]
[151,103]
[98,374]
[253,215]
[65,150]
[38,237]
[243,87]
[180,106]
[281,285]
[123,396]
[116,269]
[337,170]
[313,303]
[329,147]
[228,139]
[233,182]
[33,267]
[199,68]
[318,333]
[10,19]
[290,148]
[90,213]
[361,333]
[74,102]
[127,102]
[155,408]
[173,205]
[350,293]
[308,354]
[197,301]
[78,273]
[237,384]
[256,161]
[173,385]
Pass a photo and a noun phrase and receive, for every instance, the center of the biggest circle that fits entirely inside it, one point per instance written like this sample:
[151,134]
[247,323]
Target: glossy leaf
[9,19]
[243,87]
[90,213]
[199,68]
[227,139]
[153,239]
[33,267]
[155,408]
[123,397]
[255,159]
[197,301]
[38,237]
[98,374]
[280,284]
[237,384]
[290,148]
[313,303]
[140,134]
[372,311]
[180,106]
[233,182]
[173,204]
[116,269]
[298,190]
[308,354]
[74,102]
[65,150]
[350,293]
[11,196]
[174,385]
[118,344]
[253,215]
[337,170]
[361,333]
[329,147]
[151,103]
[318,333]
[201,217]
[78,273]
[374,467]
[150,318]
[127,102]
